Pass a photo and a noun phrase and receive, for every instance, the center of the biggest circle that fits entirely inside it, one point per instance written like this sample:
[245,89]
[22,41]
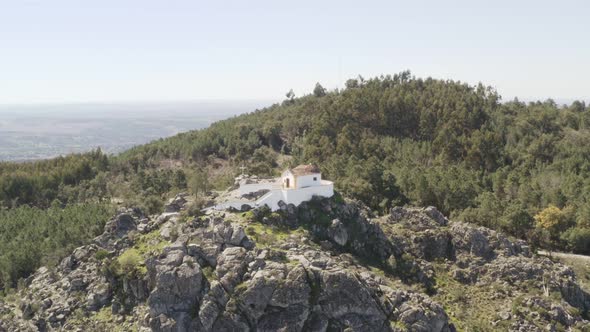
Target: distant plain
[44,131]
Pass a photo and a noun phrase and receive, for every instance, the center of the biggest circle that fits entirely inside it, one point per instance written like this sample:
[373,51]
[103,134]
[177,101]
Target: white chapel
[296,185]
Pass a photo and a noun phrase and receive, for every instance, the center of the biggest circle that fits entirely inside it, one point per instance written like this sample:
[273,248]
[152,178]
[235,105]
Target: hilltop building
[295,186]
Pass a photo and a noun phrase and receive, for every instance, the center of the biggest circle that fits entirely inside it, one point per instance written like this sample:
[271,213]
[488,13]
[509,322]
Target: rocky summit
[326,265]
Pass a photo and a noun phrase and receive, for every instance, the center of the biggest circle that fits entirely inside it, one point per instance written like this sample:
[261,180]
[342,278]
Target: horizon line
[137,102]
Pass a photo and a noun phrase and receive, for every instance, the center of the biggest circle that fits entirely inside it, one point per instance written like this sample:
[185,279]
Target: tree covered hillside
[399,139]
[40,183]
[31,237]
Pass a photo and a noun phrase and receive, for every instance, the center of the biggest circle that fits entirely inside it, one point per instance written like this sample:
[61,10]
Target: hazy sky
[167,50]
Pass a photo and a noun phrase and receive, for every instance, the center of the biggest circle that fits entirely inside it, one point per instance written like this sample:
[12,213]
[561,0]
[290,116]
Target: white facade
[291,188]
[300,195]
[288,180]
[292,181]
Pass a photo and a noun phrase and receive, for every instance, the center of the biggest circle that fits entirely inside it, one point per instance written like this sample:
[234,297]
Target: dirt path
[579,263]
[564,255]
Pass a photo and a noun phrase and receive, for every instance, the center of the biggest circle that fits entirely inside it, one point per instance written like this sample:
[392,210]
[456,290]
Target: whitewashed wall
[272,199]
[308,181]
[296,196]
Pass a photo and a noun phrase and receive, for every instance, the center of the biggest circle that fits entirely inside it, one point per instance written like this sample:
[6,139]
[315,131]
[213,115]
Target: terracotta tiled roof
[305,170]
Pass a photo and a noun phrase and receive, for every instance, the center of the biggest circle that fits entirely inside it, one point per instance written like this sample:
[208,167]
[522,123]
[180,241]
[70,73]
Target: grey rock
[27,310]
[213,304]
[83,253]
[436,215]
[67,263]
[237,236]
[176,204]
[77,284]
[205,254]
[338,233]
[178,286]
[121,225]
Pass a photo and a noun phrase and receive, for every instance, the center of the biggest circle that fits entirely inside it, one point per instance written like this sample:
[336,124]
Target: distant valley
[45,131]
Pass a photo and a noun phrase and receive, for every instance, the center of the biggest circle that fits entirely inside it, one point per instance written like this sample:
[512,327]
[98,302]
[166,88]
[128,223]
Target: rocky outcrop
[481,257]
[178,284]
[349,227]
[324,265]
[176,203]
[117,229]
[77,284]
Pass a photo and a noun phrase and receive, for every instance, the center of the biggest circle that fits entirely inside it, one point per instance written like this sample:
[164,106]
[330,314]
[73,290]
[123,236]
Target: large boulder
[421,314]
[121,225]
[178,286]
[98,296]
[176,203]
[337,232]
[117,229]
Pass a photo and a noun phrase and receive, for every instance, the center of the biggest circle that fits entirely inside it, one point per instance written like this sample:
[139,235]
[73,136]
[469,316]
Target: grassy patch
[209,273]
[470,308]
[398,326]
[240,288]
[248,216]
[104,315]
[131,263]
[268,236]
[102,320]
[150,244]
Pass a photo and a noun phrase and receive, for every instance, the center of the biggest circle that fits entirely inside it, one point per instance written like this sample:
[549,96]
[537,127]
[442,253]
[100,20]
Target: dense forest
[31,237]
[40,183]
[523,168]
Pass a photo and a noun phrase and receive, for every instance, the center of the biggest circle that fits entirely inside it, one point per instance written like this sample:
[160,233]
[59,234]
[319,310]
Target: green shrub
[251,231]
[338,198]
[101,254]
[130,263]
[194,208]
[404,266]
[153,204]
[209,273]
[248,216]
[517,305]
[173,234]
